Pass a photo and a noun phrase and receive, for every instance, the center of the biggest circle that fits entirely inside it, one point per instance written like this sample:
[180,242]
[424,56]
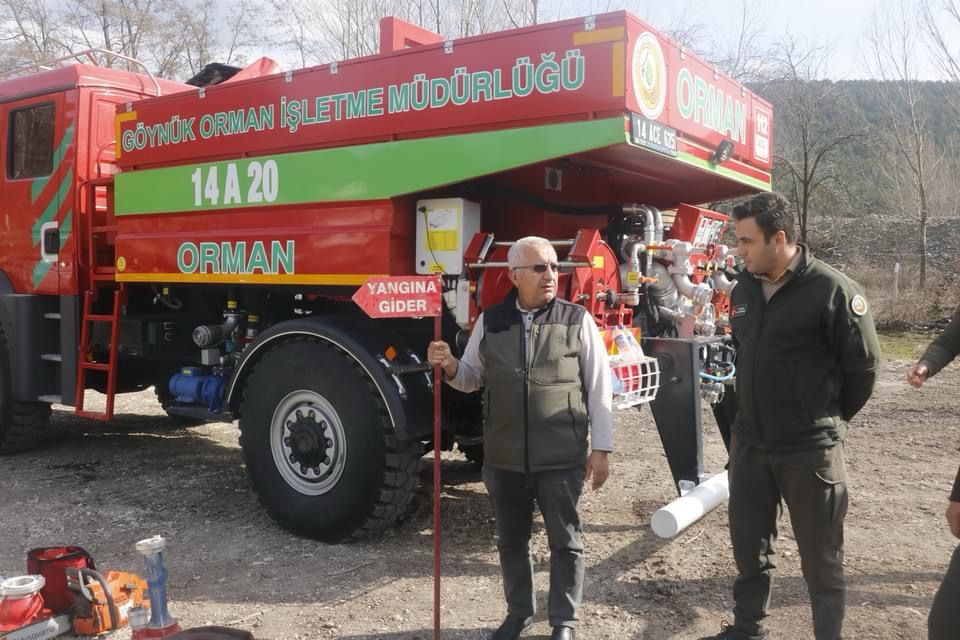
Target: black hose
[209,335]
[415,367]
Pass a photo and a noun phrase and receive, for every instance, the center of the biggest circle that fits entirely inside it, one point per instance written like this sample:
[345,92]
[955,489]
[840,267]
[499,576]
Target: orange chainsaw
[102,601]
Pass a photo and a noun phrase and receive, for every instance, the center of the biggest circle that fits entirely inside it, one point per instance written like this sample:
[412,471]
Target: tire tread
[400,476]
[27,424]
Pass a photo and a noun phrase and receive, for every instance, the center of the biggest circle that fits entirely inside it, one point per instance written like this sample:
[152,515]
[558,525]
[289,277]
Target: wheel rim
[308,443]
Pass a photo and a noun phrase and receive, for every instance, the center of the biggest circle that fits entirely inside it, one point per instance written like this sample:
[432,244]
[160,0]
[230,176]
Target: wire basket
[639,380]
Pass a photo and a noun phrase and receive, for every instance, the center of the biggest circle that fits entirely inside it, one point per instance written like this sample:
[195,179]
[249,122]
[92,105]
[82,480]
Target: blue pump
[191,386]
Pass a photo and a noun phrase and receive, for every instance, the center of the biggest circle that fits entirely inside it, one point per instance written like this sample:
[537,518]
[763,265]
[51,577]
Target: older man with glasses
[543,366]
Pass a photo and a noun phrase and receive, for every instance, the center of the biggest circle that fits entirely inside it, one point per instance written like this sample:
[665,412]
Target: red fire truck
[206,240]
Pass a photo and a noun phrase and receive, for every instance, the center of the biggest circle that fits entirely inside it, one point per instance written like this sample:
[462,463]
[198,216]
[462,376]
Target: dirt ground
[106,487]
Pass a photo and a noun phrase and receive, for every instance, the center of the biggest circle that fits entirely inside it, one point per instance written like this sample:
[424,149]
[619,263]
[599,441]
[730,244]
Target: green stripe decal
[50,213]
[37,187]
[65,227]
[363,172]
[40,271]
[699,163]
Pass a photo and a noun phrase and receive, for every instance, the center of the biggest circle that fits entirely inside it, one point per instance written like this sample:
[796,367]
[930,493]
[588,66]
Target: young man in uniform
[807,352]
[547,383]
[944,620]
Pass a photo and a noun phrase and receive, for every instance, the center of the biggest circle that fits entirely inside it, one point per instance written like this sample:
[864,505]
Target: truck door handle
[51,240]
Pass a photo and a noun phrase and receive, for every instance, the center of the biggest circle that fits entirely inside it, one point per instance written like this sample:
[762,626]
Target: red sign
[400,296]
[556,72]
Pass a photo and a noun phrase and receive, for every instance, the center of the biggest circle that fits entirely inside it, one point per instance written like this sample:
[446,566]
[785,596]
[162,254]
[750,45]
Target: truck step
[52,357]
[95,366]
[52,316]
[52,399]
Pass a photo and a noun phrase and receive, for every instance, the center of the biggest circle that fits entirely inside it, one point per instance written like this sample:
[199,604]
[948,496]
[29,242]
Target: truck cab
[57,133]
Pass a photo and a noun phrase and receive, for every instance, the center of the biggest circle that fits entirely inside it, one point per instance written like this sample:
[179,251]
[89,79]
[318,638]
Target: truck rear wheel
[23,425]
[319,446]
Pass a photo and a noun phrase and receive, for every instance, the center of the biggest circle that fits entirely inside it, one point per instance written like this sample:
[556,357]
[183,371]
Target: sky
[841,24]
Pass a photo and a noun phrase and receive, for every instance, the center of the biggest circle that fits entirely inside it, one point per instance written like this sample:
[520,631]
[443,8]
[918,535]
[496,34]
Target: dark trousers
[812,483]
[944,621]
[557,494]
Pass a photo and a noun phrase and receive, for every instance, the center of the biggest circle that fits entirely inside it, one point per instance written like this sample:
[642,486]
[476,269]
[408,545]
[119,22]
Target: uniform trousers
[812,484]
[557,493]
[944,620]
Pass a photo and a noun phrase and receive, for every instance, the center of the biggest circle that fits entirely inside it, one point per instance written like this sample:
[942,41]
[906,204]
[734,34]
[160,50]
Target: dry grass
[901,345]
[912,305]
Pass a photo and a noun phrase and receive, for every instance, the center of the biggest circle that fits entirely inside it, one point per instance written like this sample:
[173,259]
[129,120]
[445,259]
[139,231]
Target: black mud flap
[677,407]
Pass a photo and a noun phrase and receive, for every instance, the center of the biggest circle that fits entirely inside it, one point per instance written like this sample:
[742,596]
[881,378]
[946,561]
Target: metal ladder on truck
[102,291]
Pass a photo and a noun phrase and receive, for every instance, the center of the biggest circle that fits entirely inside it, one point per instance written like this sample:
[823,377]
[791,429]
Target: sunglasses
[541,268]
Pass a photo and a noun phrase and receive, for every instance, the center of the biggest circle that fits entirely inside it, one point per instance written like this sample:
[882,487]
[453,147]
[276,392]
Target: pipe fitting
[700,294]
[631,290]
[652,221]
[681,257]
[21,586]
[209,335]
[723,283]
[657,222]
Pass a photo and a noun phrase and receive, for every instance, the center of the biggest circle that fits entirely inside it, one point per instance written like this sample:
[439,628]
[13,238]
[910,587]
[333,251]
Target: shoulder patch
[739,310]
[858,305]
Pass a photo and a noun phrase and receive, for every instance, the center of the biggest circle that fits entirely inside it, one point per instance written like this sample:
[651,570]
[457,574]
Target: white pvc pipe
[673,518]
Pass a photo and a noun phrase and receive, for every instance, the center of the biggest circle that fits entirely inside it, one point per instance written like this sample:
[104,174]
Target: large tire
[23,425]
[319,447]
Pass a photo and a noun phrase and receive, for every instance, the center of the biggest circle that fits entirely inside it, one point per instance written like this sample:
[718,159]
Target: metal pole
[896,285]
[437,381]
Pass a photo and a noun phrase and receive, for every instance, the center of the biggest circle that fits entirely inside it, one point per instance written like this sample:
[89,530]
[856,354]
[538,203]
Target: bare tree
[334,30]
[212,34]
[200,30]
[522,13]
[462,18]
[242,30]
[343,29]
[940,19]
[894,41]
[428,14]
[744,56]
[29,32]
[806,108]
[687,31]
[172,37]
[474,17]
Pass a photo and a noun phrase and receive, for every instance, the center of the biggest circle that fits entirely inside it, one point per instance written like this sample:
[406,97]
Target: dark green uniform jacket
[534,402]
[938,355]
[806,360]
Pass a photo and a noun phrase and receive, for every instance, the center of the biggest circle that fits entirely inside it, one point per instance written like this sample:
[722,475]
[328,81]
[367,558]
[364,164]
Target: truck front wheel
[23,425]
[319,446]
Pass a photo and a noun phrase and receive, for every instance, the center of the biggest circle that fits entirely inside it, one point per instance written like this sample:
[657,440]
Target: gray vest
[535,412]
